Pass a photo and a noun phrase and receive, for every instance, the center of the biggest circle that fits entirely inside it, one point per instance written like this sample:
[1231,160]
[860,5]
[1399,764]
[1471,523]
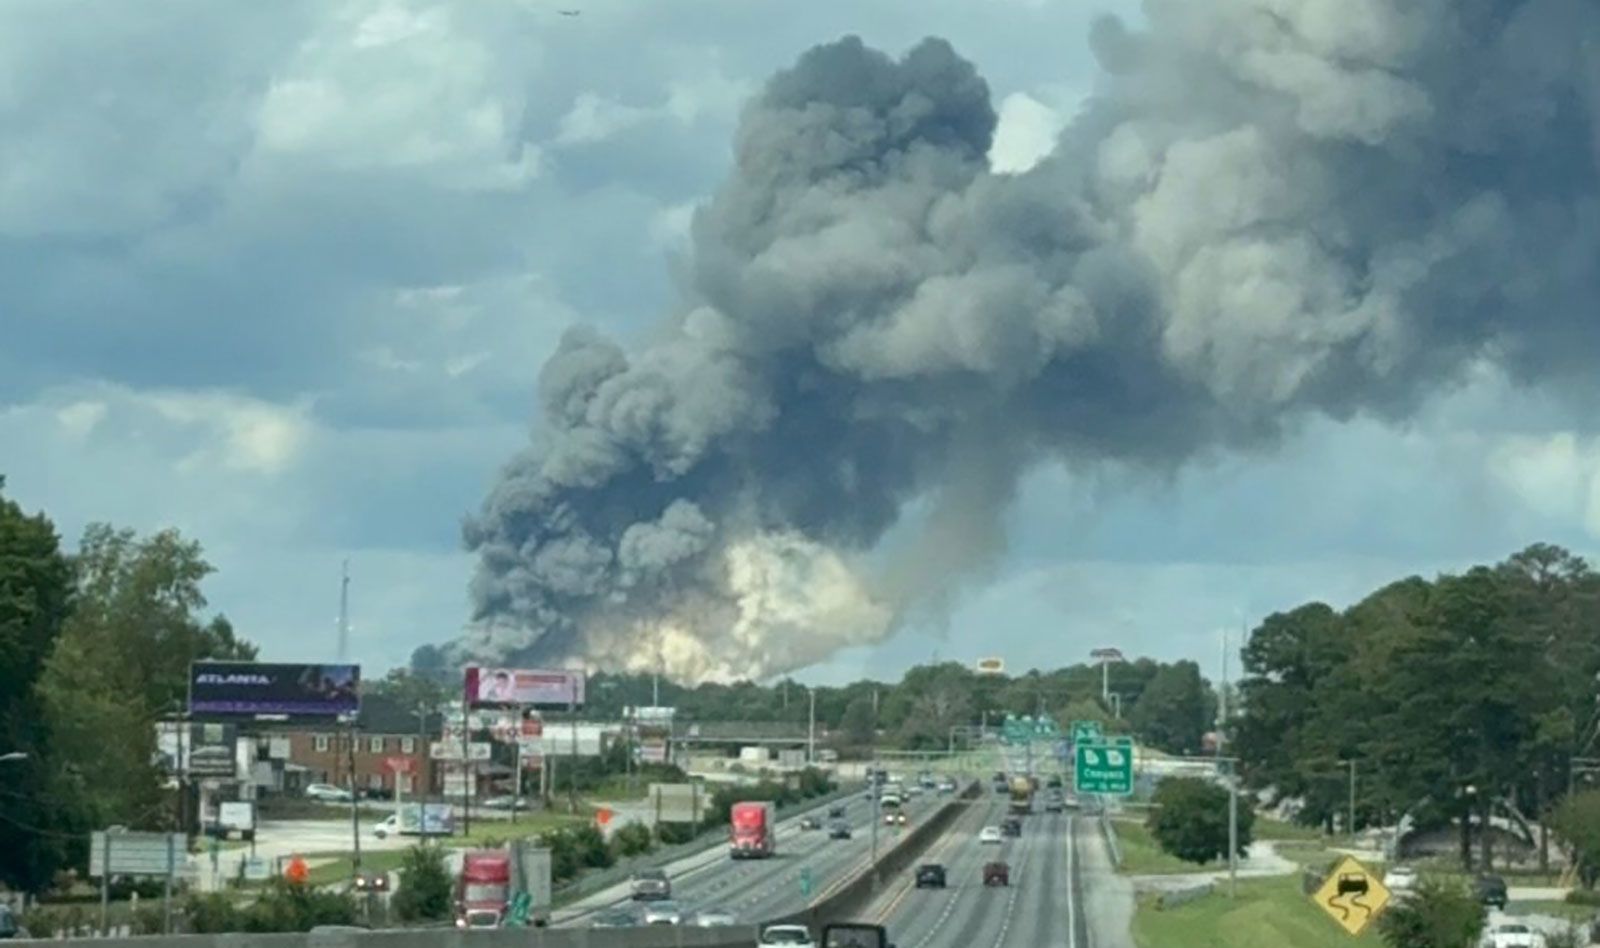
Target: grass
[1268,828]
[1142,856]
[1269,913]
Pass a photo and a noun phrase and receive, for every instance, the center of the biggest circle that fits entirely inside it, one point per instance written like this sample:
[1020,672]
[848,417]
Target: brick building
[386,734]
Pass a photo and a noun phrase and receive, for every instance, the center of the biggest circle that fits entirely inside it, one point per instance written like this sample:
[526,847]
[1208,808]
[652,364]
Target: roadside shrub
[148,920]
[632,840]
[1584,897]
[671,834]
[211,914]
[593,853]
[287,907]
[1190,820]
[1437,915]
[425,888]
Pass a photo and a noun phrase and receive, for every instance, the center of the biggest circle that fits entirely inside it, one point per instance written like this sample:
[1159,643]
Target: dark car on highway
[1491,890]
[839,830]
[810,823]
[1011,827]
[836,811]
[996,873]
[930,875]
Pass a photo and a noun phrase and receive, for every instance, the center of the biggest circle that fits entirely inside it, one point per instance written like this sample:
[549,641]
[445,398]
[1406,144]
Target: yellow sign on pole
[1352,896]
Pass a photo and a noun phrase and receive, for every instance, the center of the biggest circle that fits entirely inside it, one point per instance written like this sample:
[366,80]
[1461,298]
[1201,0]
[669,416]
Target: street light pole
[811,730]
[1352,826]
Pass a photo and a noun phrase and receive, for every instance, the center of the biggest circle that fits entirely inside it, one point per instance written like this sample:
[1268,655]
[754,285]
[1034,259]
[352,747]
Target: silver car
[665,912]
[651,884]
[714,918]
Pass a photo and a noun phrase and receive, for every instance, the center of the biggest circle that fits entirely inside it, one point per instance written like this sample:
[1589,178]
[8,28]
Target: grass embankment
[483,833]
[1142,856]
[1268,913]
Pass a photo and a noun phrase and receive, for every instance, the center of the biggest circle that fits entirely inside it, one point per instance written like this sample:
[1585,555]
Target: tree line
[95,647]
[1456,698]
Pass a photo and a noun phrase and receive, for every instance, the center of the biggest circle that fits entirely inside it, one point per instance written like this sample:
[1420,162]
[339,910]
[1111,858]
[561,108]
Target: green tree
[1175,709]
[1436,915]
[1577,822]
[409,690]
[857,724]
[1189,819]
[425,888]
[122,662]
[35,600]
[631,840]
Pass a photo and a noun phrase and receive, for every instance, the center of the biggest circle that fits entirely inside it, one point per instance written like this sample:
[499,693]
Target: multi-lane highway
[1060,887]
[756,890]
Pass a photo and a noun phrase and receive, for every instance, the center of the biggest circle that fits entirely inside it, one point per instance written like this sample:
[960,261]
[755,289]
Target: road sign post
[1104,768]
[1352,896]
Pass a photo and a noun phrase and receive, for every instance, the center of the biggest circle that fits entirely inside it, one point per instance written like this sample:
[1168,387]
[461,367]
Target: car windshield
[785,936]
[649,875]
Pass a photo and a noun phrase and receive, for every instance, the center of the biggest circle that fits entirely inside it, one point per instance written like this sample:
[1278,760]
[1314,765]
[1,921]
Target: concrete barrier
[845,902]
[1177,897]
[1108,829]
[657,936]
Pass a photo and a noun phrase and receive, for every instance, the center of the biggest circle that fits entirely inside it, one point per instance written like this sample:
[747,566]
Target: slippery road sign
[1352,896]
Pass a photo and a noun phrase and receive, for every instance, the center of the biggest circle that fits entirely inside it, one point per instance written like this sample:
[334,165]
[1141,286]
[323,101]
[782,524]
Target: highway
[1063,893]
[755,890]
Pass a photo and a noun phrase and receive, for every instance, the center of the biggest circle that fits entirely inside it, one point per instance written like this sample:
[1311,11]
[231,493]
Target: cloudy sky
[282,276]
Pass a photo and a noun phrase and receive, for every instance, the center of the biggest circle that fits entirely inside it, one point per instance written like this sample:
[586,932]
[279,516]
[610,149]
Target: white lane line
[1072,911]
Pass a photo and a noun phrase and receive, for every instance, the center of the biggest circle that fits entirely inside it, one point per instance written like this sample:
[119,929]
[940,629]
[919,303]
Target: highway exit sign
[1104,768]
[1086,732]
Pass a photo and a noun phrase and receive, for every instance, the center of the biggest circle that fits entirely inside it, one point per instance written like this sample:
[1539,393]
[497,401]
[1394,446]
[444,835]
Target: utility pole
[572,762]
[1233,833]
[1352,825]
[355,805]
[466,768]
[1222,697]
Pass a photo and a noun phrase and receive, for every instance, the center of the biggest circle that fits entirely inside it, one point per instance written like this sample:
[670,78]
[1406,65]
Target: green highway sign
[805,881]
[517,912]
[1104,768]
[1086,732]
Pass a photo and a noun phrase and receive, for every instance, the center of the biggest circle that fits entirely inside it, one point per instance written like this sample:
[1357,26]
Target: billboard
[212,750]
[427,819]
[991,666]
[527,687]
[138,854]
[675,802]
[260,689]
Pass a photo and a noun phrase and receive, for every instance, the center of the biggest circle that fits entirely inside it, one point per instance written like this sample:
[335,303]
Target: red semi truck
[754,831]
[483,889]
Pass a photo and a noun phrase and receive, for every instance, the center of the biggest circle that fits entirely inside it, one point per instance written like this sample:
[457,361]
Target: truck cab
[483,889]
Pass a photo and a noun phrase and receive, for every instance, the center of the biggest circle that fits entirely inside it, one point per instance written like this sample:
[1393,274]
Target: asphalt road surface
[755,890]
[1062,892]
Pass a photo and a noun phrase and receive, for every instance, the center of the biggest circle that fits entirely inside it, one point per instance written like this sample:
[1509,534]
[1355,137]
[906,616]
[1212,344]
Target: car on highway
[836,811]
[1512,935]
[713,918]
[793,936]
[1011,826]
[1491,890]
[989,834]
[894,818]
[370,883]
[839,829]
[1054,804]
[810,823]
[664,912]
[507,802]
[996,873]
[389,825]
[327,793]
[650,885]
[947,786]
[615,918]
[930,875]
[1400,880]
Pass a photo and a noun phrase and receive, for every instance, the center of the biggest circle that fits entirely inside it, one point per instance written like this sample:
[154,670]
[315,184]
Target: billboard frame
[241,709]
[552,689]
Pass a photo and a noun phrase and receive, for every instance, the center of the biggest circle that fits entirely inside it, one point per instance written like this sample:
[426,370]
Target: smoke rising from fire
[1269,208]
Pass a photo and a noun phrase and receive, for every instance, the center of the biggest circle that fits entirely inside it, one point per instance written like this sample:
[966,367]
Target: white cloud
[402,87]
[708,95]
[1554,476]
[1026,132]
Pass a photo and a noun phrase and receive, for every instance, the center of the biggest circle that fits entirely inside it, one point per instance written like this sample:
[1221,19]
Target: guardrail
[848,899]
[1113,845]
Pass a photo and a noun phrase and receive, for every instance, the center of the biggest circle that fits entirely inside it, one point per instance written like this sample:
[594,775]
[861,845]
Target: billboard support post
[166,894]
[572,762]
[466,769]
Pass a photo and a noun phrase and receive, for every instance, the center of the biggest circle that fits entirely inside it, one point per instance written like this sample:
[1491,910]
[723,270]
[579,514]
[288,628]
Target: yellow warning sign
[1353,896]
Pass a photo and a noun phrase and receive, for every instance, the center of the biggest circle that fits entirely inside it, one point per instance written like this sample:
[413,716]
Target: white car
[1400,879]
[713,918]
[793,936]
[1512,935]
[327,793]
[664,912]
[389,825]
[990,834]
[894,817]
